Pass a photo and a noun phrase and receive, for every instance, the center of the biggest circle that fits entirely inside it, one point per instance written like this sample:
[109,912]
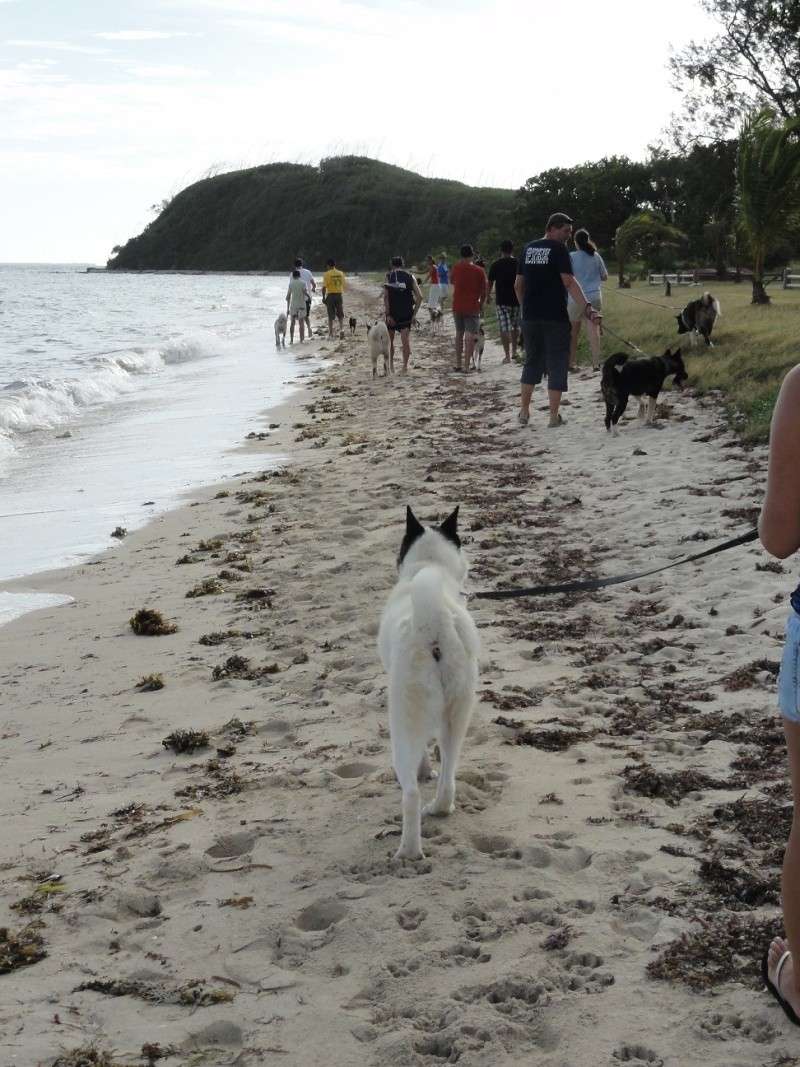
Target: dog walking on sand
[429,647]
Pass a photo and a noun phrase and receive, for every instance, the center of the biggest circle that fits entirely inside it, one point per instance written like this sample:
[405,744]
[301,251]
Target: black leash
[601,583]
[624,341]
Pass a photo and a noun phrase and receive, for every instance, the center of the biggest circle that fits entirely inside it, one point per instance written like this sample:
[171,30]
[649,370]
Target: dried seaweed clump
[208,587]
[219,637]
[149,623]
[190,994]
[86,1056]
[186,740]
[547,740]
[21,949]
[745,677]
[151,683]
[671,786]
[738,886]
[724,950]
[119,532]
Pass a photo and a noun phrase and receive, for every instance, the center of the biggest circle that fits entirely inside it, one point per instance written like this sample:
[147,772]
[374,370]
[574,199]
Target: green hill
[358,211]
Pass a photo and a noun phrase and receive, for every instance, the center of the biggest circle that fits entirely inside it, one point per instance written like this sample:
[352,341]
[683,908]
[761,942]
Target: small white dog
[378,340]
[429,646]
[436,318]
[280,330]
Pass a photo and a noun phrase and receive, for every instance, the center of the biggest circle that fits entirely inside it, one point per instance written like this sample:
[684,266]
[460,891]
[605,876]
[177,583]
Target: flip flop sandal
[523,419]
[560,421]
[774,987]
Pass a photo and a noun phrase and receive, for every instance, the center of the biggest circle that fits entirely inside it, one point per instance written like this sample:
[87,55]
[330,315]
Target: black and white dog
[623,378]
[698,318]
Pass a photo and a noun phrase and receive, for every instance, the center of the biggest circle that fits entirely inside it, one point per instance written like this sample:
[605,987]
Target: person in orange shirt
[470,287]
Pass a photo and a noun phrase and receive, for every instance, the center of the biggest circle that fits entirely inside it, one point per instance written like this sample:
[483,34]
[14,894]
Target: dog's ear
[449,528]
[668,353]
[414,527]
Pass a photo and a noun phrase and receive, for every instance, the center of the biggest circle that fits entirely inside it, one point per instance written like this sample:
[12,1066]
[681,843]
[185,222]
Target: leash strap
[642,300]
[602,583]
[623,341]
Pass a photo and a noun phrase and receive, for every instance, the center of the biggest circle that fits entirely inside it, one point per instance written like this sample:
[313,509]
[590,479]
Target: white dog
[280,330]
[436,318]
[429,646]
[378,339]
[477,351]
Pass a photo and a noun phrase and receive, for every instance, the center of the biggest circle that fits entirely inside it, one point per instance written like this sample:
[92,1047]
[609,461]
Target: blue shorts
[789,677]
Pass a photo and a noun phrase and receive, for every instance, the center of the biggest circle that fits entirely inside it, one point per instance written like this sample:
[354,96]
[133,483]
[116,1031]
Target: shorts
[399,326]
[466,323]
[507,318]
[576,313]
[546,351]
[299,313]
[335,306]
[789,677]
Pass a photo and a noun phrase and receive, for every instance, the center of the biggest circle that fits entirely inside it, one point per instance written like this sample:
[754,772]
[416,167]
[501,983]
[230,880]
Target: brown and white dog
[436,318]
[698,318]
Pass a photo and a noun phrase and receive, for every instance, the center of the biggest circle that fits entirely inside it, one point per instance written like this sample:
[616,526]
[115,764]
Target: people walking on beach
[333,283]
[502,275]
[401,300]
[311,287]
[443,274]
[590,271]
[432,276]
[296,307]
[469,295]
[779,529]
[544,277]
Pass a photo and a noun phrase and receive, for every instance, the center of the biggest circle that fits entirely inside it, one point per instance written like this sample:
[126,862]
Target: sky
[108,109]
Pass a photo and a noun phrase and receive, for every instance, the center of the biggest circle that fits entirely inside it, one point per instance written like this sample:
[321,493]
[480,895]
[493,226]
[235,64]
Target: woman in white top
[590,270]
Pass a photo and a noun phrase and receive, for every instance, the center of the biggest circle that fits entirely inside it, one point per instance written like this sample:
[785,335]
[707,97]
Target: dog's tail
[716,306]
[612,364]
[434,629]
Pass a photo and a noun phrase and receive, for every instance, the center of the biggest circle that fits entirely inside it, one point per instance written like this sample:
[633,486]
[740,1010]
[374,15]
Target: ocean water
[118,394]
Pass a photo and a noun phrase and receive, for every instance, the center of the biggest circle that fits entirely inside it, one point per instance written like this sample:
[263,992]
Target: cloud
[139,35]
[57,46]
[167,72]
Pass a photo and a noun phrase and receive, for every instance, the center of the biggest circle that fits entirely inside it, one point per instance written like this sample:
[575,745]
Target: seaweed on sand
[150,683]
[762,823]
[219,637]
[149,623]
[736,886]
[239,667]
[186,740]
[191,994]
[222,783]
[21,949]
[547,740]
[86,1056]
[725,949]
[671,786]
[745,677]
[208,587]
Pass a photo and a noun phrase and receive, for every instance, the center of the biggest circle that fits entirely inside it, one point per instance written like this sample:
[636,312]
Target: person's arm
[418,298]
[779,525]
[603,271]
[573,287]
[519,287]
[489,290]
[386,314]
[484,290]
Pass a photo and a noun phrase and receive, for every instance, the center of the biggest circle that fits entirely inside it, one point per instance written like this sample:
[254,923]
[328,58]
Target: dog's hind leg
[408,755]
[651,410]
[450,742]
[640,414]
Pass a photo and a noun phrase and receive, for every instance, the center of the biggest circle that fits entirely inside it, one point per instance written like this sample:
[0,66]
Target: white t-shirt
[307,278]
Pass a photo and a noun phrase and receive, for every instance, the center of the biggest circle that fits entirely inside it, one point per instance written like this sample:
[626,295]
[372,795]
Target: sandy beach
[607,884]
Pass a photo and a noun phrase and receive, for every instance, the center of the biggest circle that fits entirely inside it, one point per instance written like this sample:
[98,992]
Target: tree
[599,195]
[768,186]
[644,236]
[753,61]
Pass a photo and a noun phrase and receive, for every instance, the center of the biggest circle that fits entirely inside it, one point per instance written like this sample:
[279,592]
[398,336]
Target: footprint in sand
[729,1026]
[463,953]
[320,916]
[637,1056]
[221,1034]
[561,856]
[411,918]
[229,846]
[354,770]
[496,846]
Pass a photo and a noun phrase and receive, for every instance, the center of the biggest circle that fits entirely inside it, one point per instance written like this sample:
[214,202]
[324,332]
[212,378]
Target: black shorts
[546,352]
[335,306]
[399,326]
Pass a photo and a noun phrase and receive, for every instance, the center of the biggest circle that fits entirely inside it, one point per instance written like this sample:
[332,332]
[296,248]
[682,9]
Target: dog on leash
[623,378]
[280,330]
[379,344]
[353,324]
[436,318]
[429,647]
[698,318]
[477,351]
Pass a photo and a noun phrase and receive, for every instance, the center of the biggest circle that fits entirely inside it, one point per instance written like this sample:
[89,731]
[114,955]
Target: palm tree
[642,236]
[768,186]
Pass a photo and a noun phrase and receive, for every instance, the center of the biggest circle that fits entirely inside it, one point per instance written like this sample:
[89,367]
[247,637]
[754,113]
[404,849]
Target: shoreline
[243,897]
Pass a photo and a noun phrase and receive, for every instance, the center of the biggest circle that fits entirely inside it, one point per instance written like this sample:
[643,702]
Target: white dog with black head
[429,647]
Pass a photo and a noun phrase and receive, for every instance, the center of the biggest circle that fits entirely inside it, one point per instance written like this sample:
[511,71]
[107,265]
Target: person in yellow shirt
[333,283]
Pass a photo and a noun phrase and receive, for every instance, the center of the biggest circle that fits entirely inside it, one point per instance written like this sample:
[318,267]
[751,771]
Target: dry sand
[622,788]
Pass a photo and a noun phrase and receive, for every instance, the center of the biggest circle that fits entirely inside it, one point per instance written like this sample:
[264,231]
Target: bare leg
[574,334]
[459,346]
[554,400]
[405,341]
[505,341]
[525,396]
[790,885]
[291,330]
[469,348]
[594,343]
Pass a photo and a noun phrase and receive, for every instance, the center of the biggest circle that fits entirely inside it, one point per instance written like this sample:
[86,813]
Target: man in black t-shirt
[402,297]
[502,274]
[544,277]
